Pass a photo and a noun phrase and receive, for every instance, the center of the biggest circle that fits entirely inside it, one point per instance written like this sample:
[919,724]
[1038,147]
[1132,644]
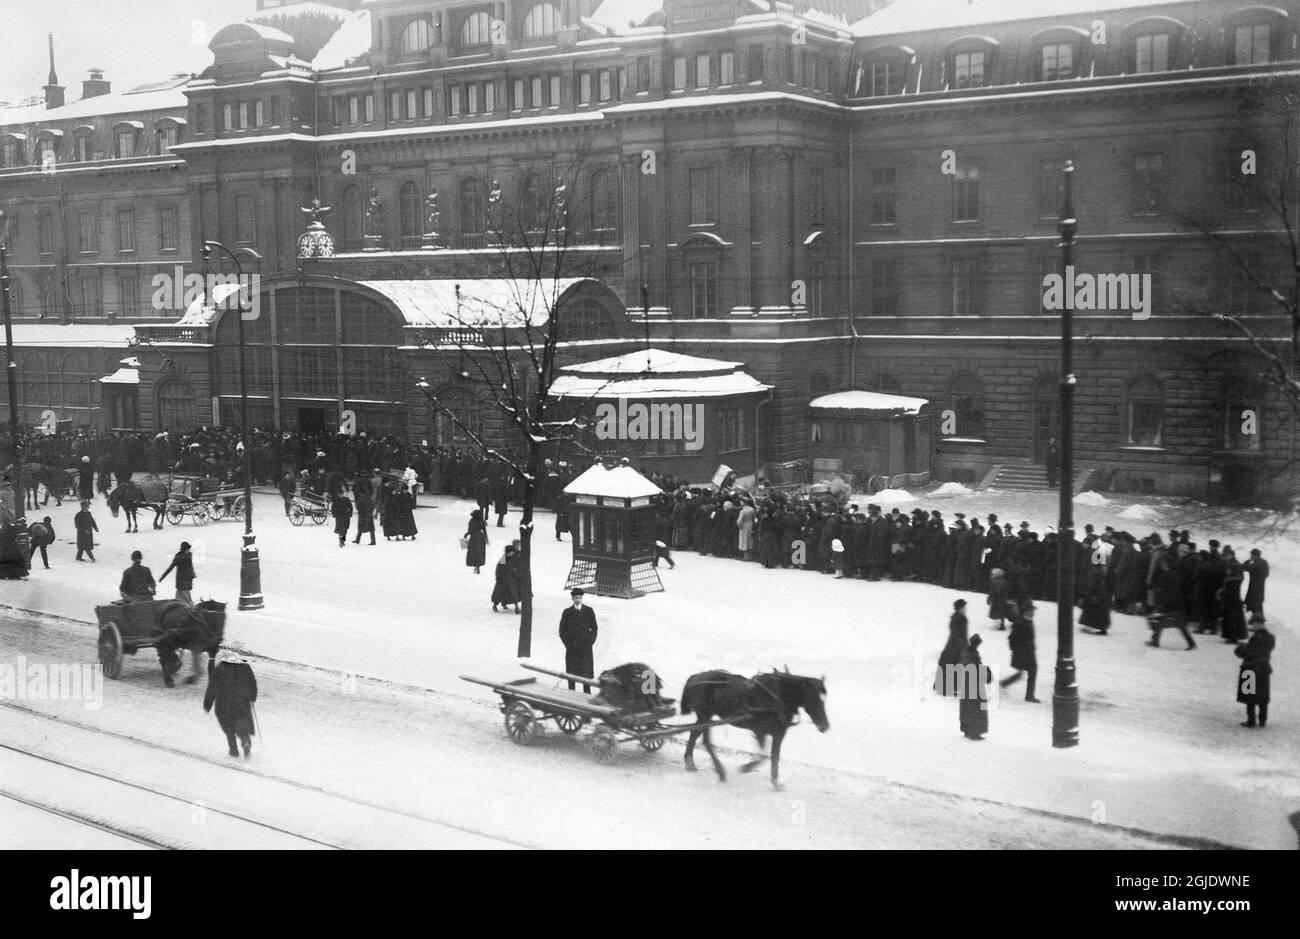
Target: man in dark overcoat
[578,633]
[1024,652]
[1257,568]
[232,689]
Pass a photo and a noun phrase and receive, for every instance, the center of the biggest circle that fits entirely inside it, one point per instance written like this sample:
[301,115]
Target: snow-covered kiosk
[869,433]
[613,519]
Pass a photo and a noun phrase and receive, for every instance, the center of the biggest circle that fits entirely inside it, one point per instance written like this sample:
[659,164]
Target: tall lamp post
[12,365]
[1065,696]
[250,567]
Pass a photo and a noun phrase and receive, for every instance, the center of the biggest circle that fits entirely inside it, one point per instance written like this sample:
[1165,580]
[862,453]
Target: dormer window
[11,152]
[416,37]
[1256,35]
[887,78]
[968,69]
[167,137]
[1058,61]
[48,151]
[476,30]
[541,21]
[125,143]
[883,71]
[81,148]
[1252,44]
[1151,53]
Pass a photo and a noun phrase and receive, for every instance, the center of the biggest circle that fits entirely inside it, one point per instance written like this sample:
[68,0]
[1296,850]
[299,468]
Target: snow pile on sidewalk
[951,489]
[1094,499]
[1140,513]
[893,496]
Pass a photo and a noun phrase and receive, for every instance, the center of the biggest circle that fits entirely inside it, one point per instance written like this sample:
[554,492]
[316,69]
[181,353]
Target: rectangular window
[275,112]
[1252,45]
[887,78]
[454,102]
[427,95]
[884,288]
[81,148]
[756,63]
[704,195]
[537,101]
[809,71]
[968,70]
[704,289]
[471,99]
[966,277]
[966,195]
[1149,181]
[584,88]
[727,68]
[554,100]
[227,117]
[125,144]
[679,73]
[733,429]
[126,230]
[257,113]
[1145,420]
[45,234]
[702,66]
[88,232]
[354,110]
[1058,61]
[369,109]
[412,104]
[1152,53]
[243,114]
[642,73]
[128,293]
[167,229]
[884,196]
[48,155]
[489,97]
[395,106]
[622,84]
[518,103]
[606,86]
[88,285]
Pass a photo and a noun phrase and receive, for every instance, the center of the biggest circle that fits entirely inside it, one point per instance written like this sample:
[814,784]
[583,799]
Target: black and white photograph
[652,424]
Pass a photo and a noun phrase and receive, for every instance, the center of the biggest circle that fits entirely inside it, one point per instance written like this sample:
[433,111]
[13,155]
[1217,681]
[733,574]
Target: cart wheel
[295,515]
[569,723]
[319,516]
[603,742]
[651,744]
[175,514]
[521,723]
[237,509]
[201,514]
[216,510]
[110,650]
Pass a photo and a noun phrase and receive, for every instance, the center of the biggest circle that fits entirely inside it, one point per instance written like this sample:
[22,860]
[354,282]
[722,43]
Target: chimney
[53,90]
[94,86]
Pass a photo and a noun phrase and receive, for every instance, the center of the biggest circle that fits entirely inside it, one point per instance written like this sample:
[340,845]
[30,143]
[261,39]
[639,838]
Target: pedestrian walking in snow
[578,633]
[663,553]
[1024,652]
[42,535]
[232,689]
[947,676]
[288,489]
[476,541]
[1257,568]
[84,523]
[183,564]
[973,712]
[1253,677]
[365,512]
[505,589]
[86,480]
[1000,609]
[341,509]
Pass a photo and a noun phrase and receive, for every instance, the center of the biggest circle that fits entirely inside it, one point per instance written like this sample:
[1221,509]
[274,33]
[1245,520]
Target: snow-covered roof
[72,337]
[619,482]
[876,401]
[350,41]
[159,99]
[668,375]
[497,301]
[617,16]
[914,16]
[262,31]
[197,314]
[123,376]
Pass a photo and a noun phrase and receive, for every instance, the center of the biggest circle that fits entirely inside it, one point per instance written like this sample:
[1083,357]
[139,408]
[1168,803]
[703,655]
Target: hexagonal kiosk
[613,525]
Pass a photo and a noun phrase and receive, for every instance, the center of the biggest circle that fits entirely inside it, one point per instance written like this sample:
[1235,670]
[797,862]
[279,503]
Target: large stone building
[836,196]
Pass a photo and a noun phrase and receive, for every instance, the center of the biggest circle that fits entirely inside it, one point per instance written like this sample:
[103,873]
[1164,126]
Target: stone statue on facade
[374,239]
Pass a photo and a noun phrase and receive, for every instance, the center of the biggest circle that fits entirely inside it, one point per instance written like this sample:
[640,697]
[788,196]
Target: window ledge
[973,441]
[1142,448]
[1238,454]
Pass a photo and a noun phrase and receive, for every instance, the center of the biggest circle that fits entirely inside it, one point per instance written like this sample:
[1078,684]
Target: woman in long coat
[1096,602]
[476,550]
[505,591]
[745,533]
[232,689]
[999,591]
[406,514]
[1234,619]
[1257,568]
[972,713]
[341,509]
[389,516]
[365,512]
[1252,679]
[85,525]
[946,680]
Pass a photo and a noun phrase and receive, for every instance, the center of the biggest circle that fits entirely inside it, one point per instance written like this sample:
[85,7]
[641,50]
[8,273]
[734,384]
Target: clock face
[314,246]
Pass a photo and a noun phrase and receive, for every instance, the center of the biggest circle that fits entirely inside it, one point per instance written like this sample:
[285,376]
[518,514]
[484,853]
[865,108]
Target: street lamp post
[1065,696]
[250,567]
[12,365]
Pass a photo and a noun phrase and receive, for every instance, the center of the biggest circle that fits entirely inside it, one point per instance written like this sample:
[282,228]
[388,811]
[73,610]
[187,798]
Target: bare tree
[505,341]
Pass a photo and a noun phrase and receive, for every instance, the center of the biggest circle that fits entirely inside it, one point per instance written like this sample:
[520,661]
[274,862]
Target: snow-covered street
[1161,750]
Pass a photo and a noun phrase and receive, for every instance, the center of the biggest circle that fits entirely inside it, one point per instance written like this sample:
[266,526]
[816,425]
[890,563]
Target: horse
[130,497]
[198,628]
[31,477]
[767,705]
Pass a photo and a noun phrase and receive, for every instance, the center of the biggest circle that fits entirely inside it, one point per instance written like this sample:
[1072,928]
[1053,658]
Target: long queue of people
[1175,581]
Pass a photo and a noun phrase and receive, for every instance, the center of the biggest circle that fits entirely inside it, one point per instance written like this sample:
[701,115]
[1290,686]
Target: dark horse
[130,497]
[33,476]
[766,705]
[198,628]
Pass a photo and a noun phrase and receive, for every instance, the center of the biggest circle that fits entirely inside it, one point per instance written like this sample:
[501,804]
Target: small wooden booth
[613,524]
[869,434]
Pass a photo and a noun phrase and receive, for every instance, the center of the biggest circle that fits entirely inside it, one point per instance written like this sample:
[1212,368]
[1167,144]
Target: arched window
[416,37]
[542,20]
[476,30]
[1145,414]
[884,383]
[965,399]
[177,406]
[410,209]
[473,207]
[604,201]
[585,319]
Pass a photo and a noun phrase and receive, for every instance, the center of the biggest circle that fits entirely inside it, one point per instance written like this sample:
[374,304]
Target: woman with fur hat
[232,689]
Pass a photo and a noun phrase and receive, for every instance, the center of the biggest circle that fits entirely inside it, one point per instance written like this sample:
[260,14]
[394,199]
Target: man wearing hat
[85,526]
[137,580]
[86,480]
[578,633]
[183,564]
[1024,654]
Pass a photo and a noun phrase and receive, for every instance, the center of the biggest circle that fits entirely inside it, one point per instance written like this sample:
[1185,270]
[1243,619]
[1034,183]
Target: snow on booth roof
[654,373]
[873,401]
[619,482]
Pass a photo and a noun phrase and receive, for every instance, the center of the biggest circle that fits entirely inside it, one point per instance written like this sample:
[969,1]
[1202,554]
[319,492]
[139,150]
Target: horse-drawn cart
[628,707]
[201,500]
[308,505]
[166,625]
